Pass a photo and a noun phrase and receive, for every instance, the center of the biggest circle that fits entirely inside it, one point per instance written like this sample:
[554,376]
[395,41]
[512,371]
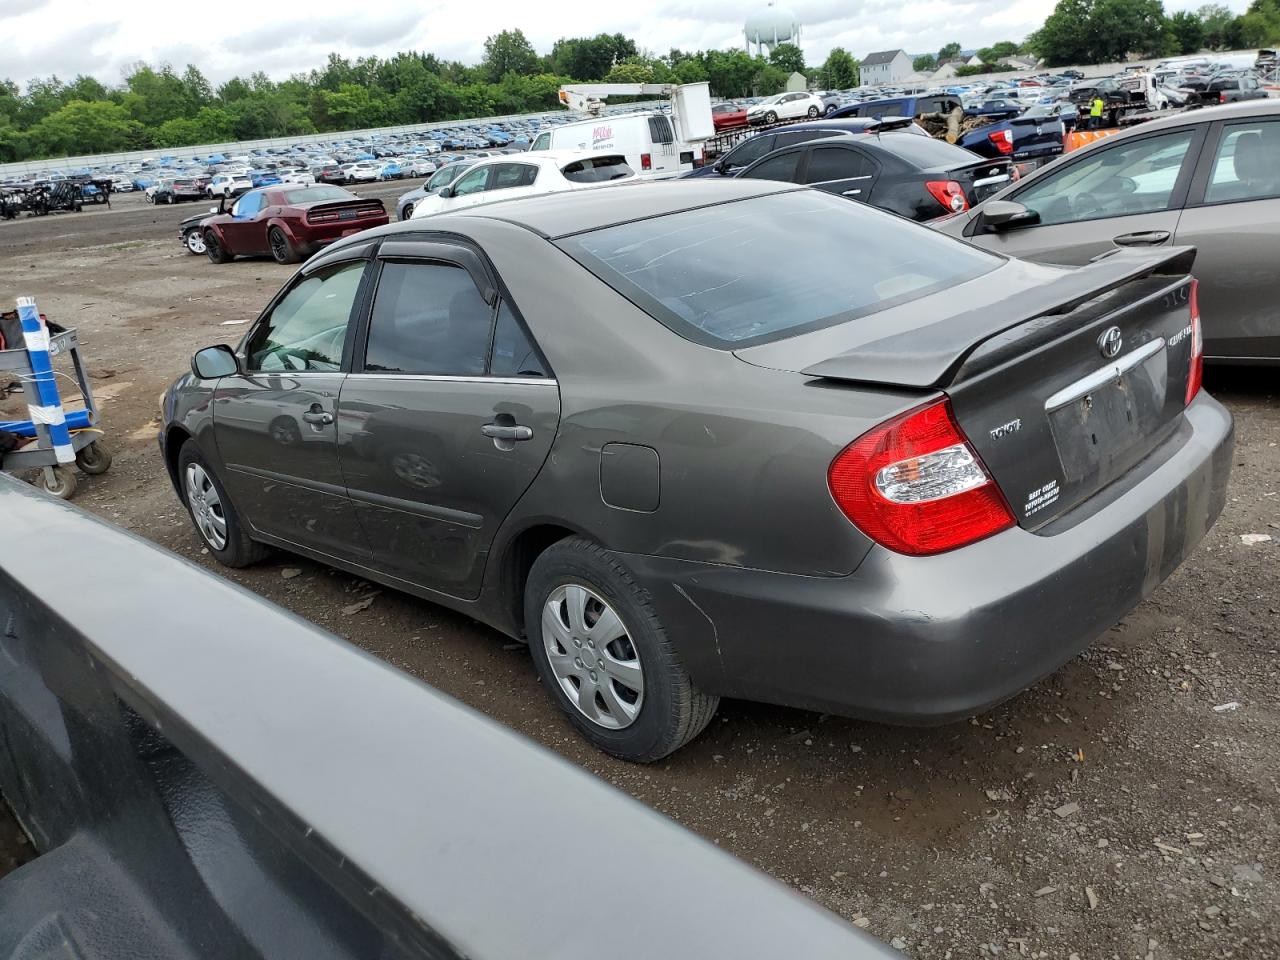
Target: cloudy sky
[230,37]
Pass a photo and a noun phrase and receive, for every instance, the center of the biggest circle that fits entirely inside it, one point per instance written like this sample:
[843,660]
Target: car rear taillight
[1195,376]
[950,194]
[646,161]
[1222,98]
[916,486]
[1002,140]
[697,162]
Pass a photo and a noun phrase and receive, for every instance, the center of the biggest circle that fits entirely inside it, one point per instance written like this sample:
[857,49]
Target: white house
[885,66]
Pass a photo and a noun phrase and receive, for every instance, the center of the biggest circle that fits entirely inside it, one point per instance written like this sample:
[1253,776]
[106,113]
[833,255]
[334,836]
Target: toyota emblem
[1109,342]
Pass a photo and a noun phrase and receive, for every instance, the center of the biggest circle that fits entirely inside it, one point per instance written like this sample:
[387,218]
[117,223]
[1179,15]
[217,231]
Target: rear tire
[813,112]
[281,249]
[212,510]
[575,586]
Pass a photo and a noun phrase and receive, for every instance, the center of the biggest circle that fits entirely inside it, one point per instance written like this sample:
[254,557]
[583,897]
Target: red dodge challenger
[287,221]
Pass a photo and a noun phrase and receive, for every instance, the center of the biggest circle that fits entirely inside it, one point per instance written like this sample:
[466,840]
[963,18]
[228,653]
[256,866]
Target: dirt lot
[1111,812]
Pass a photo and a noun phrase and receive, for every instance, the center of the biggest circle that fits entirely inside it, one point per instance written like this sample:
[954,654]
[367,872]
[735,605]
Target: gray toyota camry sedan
[698,439]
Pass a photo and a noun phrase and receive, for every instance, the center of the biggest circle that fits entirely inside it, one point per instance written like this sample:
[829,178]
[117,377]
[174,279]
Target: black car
[915,177]
[753,148]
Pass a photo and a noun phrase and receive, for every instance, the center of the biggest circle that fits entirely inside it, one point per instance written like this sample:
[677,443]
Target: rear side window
[428,318]
[1247,166]
[742,273]
[660,130]
[513,175]
[514,354]
[597,170]
[837,163]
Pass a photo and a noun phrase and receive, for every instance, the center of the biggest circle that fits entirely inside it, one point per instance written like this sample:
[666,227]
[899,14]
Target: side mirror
[213,362]
[213,209]
[720,167]
[445,192]
[1006,214]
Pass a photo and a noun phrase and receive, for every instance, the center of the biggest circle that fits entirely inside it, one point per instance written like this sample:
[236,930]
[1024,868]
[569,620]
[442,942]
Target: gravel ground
[1109,812]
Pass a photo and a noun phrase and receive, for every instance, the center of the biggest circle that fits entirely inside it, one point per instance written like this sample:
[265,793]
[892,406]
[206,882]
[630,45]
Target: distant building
[1020,63]
[797,82]
[885,66]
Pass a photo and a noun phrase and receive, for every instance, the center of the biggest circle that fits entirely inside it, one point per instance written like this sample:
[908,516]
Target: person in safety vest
[1095,113]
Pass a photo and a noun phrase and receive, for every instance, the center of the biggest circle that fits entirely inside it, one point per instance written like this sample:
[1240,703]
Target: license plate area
[1110,414]
[346,214]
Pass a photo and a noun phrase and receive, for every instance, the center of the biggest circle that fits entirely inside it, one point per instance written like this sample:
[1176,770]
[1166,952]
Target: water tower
[768,28]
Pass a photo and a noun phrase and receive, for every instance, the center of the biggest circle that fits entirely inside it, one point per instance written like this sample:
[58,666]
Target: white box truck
[656,144]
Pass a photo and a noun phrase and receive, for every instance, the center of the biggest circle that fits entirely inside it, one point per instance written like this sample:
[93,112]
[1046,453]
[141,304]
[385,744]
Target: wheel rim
[278,248]
[592,657]
[195,242]
[408,211]
[206,507]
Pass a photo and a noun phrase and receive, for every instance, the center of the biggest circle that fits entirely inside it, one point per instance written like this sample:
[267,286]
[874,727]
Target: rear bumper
[933,639]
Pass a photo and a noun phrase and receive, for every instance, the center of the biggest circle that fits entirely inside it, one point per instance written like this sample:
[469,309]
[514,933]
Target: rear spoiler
[932,355]
[881,124]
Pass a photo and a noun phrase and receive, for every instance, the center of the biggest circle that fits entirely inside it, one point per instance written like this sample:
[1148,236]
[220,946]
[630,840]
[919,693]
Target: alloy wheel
[206,507]
[195,241]
[592,656]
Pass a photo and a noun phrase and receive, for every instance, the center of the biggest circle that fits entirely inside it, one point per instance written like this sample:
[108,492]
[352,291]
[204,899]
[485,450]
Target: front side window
[781,167]
[749,151]
[1126,178]
[428,318]
[543,142]
[307,329]
[247,205]
[1247,166]
[737,274]
[471,182]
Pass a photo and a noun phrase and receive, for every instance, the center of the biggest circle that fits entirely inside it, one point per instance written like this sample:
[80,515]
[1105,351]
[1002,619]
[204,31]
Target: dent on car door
[446,419]
[1233,221]
[276,424]
[1127,192]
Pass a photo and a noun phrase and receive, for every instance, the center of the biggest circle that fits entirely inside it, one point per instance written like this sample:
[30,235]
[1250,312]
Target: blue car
[900,106]
[263,178]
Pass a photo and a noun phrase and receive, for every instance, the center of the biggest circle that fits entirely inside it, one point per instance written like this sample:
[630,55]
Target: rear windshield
[926,152]
[597,170]
[316,194]
[771,267]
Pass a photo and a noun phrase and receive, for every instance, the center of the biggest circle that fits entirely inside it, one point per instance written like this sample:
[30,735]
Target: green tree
[787,57]
[1217,22]
[840,71]
[629,73]
[210,125]
[1260,25]
[997,51]
[925,63]
[508,52]
[1187,30]
[769,79]
[732,72]
[949,52]
[83,126]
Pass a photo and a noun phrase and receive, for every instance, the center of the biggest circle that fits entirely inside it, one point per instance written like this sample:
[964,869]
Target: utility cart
[58,437]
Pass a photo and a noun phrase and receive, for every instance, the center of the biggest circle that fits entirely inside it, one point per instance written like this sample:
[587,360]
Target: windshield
[737,274]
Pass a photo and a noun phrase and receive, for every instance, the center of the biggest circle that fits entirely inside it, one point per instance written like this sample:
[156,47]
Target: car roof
[556,215]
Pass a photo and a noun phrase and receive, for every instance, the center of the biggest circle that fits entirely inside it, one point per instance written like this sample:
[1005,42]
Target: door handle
[1144,238]
[501,431]
[850,193]
[318,417]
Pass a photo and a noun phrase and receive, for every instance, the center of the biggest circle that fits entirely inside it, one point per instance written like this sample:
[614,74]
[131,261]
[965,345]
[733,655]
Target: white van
[647,139]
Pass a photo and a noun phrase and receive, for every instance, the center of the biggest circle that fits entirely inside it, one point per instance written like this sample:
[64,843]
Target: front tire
[406,212]
[214,250]
[215,518]
[601,650]
[771,117]
[193,239]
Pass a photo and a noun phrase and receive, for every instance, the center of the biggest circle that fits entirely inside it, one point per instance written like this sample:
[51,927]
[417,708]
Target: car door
[1124,192]
[242,230]
[467,189]
[446,418]
[1233,220]
[783,166]
[842,169]
[275,424]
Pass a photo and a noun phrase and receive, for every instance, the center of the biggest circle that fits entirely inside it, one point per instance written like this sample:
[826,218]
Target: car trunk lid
[980,179]
[1061,386]
[336,211]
